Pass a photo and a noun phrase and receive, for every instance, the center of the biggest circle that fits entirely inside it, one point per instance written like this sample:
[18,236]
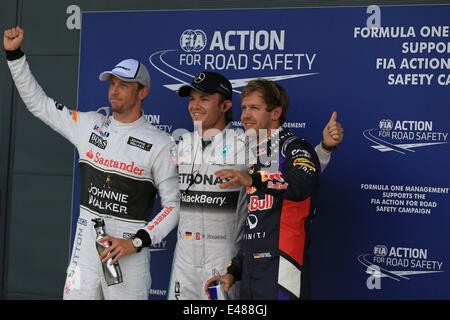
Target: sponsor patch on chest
[139,144]
[98,141]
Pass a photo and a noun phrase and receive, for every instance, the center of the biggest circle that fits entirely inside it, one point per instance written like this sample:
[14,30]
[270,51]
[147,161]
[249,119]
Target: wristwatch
[328,148]
[137,243]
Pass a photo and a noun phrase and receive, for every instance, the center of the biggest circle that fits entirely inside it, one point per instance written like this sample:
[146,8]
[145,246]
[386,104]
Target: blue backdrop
[381,229]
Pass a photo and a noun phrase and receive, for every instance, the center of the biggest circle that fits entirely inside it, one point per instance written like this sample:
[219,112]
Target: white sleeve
[165,174]
[55,115]
[324,157]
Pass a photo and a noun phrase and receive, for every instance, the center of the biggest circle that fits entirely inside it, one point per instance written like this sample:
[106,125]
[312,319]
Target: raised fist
[13,38]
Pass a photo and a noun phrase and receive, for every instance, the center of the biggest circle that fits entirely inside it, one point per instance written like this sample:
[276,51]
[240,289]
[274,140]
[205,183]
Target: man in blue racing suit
[281,192]
[212,218]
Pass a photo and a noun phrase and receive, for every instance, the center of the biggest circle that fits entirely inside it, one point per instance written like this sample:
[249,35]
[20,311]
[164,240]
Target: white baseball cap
[129,70]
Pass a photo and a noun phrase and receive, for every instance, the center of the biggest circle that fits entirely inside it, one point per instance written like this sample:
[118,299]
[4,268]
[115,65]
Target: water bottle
[112,273]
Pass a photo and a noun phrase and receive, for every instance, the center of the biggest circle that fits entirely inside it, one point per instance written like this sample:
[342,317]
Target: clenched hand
[13,38]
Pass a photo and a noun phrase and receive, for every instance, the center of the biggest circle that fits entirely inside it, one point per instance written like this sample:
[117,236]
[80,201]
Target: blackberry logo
[193,40]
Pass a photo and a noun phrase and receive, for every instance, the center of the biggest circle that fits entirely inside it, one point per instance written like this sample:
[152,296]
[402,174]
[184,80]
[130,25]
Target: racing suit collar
[125,126]
[269,138]
[221,133]
[270,143]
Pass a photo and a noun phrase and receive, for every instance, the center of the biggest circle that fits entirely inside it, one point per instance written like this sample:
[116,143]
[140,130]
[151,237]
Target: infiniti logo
[254,223]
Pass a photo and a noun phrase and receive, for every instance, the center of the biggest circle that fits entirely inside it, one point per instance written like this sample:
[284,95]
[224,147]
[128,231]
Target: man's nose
[195,103]
[245,114]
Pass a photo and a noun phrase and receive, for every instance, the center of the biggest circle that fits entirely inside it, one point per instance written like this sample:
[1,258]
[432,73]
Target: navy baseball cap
[208,82]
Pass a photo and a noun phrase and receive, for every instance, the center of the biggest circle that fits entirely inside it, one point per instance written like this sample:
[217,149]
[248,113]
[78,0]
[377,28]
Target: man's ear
[227,105]
[143,92]
[276,113]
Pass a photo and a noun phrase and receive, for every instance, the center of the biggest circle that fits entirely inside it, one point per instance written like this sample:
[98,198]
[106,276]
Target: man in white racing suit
[124,162]
[212,219]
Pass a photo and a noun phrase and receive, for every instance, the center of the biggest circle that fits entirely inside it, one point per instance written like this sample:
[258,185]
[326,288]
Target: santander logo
[112,163]
[158,220]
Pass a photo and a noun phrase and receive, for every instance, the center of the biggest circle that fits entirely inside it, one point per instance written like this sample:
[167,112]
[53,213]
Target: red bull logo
[277,185]
[265,175]
[251,190]
[256,204]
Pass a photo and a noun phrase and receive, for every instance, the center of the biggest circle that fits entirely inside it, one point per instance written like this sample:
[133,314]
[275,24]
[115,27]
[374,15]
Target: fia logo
[193,40]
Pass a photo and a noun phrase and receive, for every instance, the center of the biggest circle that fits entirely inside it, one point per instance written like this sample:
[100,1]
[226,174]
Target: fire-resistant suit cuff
[235,272]
[145,237]
[14,54]
[256,180]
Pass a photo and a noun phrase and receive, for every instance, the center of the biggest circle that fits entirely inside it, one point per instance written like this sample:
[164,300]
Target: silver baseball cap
[129,70]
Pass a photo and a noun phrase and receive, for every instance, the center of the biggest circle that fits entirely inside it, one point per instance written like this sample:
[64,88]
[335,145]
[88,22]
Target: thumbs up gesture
[333,133]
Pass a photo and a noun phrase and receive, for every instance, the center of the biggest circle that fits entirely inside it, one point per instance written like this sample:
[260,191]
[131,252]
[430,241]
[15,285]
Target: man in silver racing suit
[212,219]
[124,161]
